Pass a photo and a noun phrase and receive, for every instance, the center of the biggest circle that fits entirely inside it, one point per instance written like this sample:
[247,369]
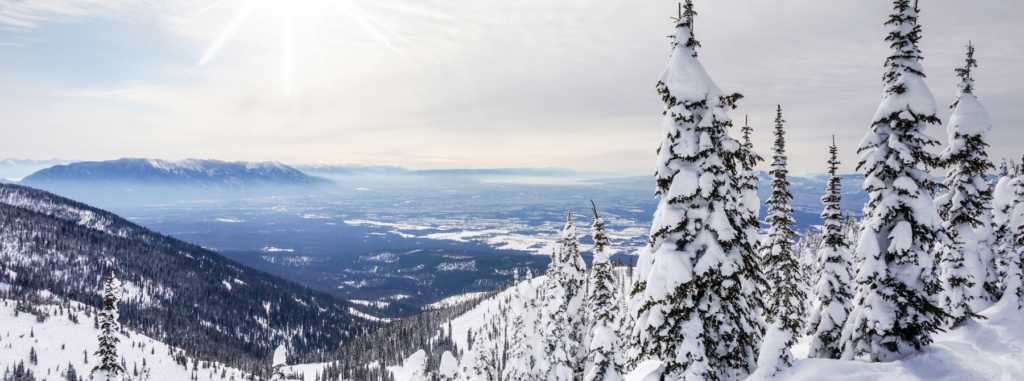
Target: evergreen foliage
[750,208]
[833,296]
[605,357]
[694,301]
[893,310]
[966,263]
[783,297]
[108,368]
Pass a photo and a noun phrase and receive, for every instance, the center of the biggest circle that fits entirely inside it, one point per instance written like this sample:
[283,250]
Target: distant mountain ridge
[140,181]
[212,173]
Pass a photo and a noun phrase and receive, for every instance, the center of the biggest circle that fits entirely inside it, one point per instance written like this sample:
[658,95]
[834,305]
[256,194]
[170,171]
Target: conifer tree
[964,209]
[520,355]
[109,369]
[893,311]
[1004,201]
[562,325]
[605,356]
[783,299]
[833,296]
[750,209]
[573,282]
[1012,266]
[279,361]
[693,299]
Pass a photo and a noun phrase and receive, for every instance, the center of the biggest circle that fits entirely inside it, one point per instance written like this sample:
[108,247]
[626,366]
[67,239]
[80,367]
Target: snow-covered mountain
[133,181]
[207,173]
[174,291]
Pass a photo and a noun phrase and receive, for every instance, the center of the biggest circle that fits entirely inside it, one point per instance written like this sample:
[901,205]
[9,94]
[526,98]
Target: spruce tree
[1012,266]
[833,296]
[1004,201]
[109,369]
[574,281]
[694,302]
[605,358]
[750,208]
[518,367]
[964,209]
[893,311]
[784,298]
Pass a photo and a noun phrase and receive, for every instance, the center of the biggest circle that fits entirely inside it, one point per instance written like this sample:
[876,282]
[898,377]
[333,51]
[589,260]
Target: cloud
[483,84]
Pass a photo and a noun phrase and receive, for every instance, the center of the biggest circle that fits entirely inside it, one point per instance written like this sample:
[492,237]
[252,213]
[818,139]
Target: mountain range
[128,181]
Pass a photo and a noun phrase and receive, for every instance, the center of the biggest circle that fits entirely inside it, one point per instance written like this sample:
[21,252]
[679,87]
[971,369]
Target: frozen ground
[61,343]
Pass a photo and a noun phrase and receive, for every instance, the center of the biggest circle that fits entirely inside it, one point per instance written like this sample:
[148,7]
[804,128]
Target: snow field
[59,342]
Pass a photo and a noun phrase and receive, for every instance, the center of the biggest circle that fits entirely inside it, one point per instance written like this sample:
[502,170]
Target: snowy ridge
[58,207]
[453,300]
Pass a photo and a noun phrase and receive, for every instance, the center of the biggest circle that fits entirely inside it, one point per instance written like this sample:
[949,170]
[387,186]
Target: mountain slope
[177,292]
[65,342]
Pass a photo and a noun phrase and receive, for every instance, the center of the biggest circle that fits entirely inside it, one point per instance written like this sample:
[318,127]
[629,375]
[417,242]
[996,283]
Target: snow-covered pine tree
[833,295]
[574,280]
[1012,266]
[1004,201]
[750,207]
[448,368]
[893,310]
[964,209]
[783,297]
[109,369]
[520,355]
[694,303]
[279,361]
[553,352]
[605,357]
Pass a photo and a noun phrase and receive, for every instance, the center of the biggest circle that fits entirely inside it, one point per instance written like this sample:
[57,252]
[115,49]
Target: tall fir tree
[109,369]
[574,281]
[784,298]
[1004,201]
[520,355]
[605,357]
[965,209]
[694,302]
[1012,266]
[833,296]
[561,325]
[750,207]
[893,310]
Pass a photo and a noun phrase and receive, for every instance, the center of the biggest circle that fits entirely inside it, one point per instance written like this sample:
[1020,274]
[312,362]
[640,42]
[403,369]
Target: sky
[465,83]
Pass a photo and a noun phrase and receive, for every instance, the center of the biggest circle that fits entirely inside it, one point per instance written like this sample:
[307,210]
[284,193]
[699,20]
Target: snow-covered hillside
[60,344]
[991,349]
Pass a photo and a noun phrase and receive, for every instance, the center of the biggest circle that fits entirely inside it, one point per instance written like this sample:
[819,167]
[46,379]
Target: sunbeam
[389,30]
[323,62]
[352,11]
[229,32]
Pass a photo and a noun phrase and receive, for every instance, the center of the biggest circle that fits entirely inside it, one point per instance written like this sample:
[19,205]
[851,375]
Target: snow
[453,300]
[60,342]
[366,316]
[649,370]
[981,350]
[412,368]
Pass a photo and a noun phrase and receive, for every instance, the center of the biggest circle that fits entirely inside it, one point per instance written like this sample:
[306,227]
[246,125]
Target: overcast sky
[464,83]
